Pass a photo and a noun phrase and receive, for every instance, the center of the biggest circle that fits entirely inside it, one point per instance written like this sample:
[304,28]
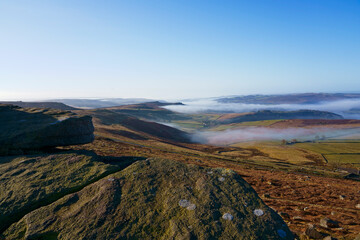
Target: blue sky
[177,48]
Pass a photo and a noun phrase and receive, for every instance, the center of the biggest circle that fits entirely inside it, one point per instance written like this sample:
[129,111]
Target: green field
[343,158]
[346,153]
[331,147]
[188,124]
[334,153]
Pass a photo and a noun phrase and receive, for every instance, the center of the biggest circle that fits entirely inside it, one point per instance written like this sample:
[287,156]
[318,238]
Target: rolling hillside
[118,123]
[151,111]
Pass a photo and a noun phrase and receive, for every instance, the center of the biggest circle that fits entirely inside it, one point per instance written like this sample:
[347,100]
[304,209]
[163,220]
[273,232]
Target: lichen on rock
[158,204]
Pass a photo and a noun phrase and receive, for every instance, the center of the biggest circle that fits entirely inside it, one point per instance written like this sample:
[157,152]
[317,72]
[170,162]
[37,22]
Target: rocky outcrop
[34,128]
[157,199]
[29,182]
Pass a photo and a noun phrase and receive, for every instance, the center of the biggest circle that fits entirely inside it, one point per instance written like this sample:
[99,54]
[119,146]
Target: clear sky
[177,48]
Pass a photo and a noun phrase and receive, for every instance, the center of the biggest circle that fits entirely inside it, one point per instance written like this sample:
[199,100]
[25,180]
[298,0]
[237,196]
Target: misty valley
[302,159]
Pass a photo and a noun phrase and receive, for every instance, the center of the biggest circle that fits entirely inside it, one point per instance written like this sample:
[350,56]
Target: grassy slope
[150,111]
[119,124]
[323,153]
[286,153]
[328,147]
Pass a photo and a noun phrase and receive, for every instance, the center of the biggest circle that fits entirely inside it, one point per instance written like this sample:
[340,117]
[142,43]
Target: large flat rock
[28,182]
[157,199]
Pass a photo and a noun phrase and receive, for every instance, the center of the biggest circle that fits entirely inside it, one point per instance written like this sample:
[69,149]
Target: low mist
[211,105]
[232,136]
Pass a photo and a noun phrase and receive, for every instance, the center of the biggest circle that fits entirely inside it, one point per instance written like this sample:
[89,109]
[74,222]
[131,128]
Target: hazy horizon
[189,99]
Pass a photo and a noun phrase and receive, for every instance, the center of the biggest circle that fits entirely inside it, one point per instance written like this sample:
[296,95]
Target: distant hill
[272,115]
[147,105]
[301,98]
[109,121]
[53,105]
[151,111]
[101,103]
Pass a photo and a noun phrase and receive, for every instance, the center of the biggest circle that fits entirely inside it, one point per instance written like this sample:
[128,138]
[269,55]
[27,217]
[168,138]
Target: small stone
[358,206]
[228,216]
[258,212]
[111,179]
[266,195]
[269,182]
[342,197]
[221,179]
[306,208]
[281,233]
[329,238]
[184,203]
[328,223]
[191,206]
[298,218]
[333,213]
[313,233]
[210,172]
